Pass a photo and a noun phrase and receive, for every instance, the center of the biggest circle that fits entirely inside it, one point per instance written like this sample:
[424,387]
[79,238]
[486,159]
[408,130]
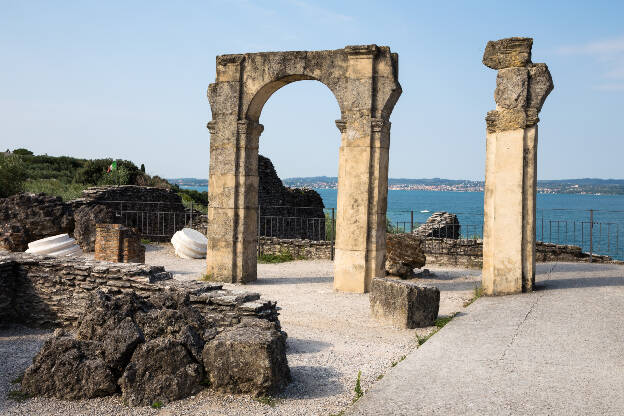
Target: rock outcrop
[156,349]
[26,217]
[440,225]
[404,253]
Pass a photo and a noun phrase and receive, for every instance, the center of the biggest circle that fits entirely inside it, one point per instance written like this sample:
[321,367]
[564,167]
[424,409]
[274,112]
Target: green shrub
[12,175]
[55,187]
[282,257]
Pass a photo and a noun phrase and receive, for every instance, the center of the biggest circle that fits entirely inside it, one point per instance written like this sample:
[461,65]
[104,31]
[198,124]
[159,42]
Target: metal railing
[597,232]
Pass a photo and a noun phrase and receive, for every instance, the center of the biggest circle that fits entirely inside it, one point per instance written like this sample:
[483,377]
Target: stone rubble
[440,225]
[404,253]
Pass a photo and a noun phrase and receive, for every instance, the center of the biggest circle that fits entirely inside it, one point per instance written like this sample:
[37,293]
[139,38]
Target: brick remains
[119,244]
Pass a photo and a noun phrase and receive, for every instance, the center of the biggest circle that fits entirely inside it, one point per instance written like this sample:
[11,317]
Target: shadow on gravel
[303,346]
[291,280]
[312,382]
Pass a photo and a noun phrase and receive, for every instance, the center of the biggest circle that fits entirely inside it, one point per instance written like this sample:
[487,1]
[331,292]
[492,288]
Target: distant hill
[565,186]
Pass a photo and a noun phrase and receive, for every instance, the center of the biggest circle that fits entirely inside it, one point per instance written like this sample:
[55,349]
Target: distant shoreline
[585,186]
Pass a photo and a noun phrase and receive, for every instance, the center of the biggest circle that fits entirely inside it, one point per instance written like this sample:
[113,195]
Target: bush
[120,176]
[22,152]
[55,187]
[12,175]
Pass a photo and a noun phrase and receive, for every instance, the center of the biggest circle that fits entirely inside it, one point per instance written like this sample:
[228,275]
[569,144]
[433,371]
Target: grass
[157,405]
[439,323]
[17,379]
[340,413]
[207,277]
[17,396]
[478,292]
[358,388]
[146,241]
[67,191]
[380,376]
[282,257]
[268,400]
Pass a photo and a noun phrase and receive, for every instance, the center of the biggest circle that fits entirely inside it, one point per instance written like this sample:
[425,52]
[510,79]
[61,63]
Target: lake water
[561,218]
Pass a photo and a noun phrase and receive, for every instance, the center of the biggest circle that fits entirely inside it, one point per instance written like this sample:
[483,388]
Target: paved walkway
[556,351]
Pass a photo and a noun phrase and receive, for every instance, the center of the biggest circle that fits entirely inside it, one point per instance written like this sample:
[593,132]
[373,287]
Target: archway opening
[301,142]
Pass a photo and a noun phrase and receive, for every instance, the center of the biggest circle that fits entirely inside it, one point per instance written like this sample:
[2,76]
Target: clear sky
[128,79]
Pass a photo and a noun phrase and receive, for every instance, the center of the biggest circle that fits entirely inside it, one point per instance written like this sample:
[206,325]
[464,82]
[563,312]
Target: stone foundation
[118,244]
[439,251]
[44,291]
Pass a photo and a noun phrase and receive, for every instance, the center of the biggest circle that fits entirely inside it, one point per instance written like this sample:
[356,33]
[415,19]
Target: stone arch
[364,80]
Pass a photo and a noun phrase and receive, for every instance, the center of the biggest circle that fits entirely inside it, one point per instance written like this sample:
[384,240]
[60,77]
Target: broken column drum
[511,166]
[364,80]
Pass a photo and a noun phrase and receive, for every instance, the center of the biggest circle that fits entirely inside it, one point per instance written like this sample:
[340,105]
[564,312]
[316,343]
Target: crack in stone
[515,335]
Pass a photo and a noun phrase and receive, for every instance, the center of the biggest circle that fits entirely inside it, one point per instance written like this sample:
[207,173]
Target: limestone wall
[47,291]
[439,251]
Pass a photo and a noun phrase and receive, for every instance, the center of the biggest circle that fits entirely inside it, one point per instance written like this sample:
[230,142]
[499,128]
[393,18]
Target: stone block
[248,358]
[509,52]
[404,304]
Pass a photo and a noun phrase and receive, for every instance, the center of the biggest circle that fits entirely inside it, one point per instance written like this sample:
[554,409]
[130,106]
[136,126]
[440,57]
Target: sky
[128,80]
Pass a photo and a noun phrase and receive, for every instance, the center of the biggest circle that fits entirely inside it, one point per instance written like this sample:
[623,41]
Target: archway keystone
[364,80]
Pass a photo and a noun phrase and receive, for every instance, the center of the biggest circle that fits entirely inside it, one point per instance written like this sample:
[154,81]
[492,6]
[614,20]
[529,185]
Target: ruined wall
[28,217]
[47,291]
[285,212]
[303,249]
[439,251]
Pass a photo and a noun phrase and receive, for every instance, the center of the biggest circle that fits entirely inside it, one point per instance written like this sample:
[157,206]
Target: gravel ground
[331,337]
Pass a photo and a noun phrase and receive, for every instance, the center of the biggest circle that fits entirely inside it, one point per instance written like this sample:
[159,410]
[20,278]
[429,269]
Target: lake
[561,218]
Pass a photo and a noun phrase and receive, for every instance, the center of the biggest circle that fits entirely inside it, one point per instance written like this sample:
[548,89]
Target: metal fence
[599,232]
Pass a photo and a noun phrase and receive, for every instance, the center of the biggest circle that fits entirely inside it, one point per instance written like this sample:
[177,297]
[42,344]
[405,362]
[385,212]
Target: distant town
[562,186]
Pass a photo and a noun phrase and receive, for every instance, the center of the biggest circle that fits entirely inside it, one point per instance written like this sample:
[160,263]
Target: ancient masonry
[364,80]
[131,328]
[119,244]
[511,166]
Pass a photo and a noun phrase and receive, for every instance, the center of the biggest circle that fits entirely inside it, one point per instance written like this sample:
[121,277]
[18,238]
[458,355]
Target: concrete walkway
[556,351]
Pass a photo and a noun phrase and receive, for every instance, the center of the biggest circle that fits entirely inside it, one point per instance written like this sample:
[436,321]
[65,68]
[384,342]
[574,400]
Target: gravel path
[331,337]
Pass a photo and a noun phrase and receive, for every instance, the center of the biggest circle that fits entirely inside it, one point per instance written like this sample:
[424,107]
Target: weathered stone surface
[511,88]
[521,86]
[440,225]
[152,349]
[540,85]
[286,212]
[160,370]
[86,217]
[364,80]
[119,244]
[404,304]
[509,52]
[404,253]
[29,217]
[248,358]
[68,368]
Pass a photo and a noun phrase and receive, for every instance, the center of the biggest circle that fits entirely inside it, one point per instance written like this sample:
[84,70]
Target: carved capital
[377,124]
[342,125]
[212,127]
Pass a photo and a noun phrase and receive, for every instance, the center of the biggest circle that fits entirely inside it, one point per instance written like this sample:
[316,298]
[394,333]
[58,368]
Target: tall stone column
[511,166]
[362,179]
[233,184]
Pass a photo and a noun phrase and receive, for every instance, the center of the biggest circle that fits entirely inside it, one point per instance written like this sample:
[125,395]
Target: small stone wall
[439,251]
[302,249]
[50,291]
[119,244]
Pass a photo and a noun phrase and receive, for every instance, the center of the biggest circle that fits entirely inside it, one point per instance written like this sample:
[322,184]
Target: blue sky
[128,79]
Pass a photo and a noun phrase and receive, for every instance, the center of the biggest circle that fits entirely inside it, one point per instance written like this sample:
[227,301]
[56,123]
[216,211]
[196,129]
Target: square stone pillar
[511,167]
[509,211]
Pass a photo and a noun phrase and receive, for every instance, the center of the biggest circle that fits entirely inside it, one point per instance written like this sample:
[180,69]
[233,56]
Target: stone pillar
[362,180]
[511,166]
[233,185]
